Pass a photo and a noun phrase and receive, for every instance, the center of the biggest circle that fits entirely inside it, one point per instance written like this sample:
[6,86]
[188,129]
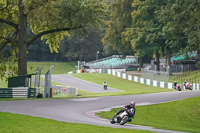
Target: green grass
[183,115]
[12,123]
[59,67]
[192,77]
[129,87]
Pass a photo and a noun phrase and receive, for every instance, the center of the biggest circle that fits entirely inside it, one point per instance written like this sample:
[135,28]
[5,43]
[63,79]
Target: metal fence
[155,75]
[183,67]
[62,91]
[37,77]
[47,85]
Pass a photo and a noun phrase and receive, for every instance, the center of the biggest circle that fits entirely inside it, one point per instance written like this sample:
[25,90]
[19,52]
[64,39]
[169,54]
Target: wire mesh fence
[155,75]
[183,79]
[37,77]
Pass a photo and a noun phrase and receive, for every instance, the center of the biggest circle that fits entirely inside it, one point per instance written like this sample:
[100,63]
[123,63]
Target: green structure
[20,81]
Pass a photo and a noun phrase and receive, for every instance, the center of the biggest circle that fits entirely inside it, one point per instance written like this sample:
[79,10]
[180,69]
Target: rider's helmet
[132,104]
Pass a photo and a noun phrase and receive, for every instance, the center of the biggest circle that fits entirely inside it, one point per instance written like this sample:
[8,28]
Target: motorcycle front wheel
[112,121]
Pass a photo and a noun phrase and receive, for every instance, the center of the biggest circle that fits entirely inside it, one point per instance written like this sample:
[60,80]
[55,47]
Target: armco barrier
[5,92]
[195,86]
[17,92]
[167,85]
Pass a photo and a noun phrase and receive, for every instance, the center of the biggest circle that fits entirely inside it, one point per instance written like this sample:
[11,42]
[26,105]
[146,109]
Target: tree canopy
[154,27]
[119,20]
[49,20]
[140,27]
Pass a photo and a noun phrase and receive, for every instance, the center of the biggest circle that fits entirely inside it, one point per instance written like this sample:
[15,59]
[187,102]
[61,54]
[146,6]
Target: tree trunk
[22,41]
[140,63]
[157,61]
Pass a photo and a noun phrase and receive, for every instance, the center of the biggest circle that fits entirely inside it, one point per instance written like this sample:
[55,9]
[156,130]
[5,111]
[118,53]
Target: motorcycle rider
[127,107]
[175,83]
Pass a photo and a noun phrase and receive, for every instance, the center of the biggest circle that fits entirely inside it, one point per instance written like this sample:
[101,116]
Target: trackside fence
[59,91]
[162,84]
[17,92]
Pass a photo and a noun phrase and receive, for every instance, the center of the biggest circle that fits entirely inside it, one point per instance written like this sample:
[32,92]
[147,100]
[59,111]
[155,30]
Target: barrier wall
[17,92]
[120,74]
[195,86]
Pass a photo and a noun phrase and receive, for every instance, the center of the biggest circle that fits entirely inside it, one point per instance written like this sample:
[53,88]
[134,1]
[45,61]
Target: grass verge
[13,123]
[192,77]
[183,115]
[59,67]
[129,87]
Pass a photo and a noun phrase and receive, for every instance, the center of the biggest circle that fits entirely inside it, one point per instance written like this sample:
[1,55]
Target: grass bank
[192,77]
[129,87]
[59,67]
[13,123]
[183,115]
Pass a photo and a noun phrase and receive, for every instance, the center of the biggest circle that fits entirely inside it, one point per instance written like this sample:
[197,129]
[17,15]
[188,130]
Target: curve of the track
[82,110]
[81,84]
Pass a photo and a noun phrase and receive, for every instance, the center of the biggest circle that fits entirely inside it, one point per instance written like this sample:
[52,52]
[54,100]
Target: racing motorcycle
[178,87]
[123,117]
[188,86]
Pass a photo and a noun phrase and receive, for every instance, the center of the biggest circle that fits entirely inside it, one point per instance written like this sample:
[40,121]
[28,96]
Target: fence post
[47,85]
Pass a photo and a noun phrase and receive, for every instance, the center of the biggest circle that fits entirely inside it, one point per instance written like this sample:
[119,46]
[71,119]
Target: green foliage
[170,15]
[198,64]
[144,34]
[165,27]
[3,84]
[108,50]
[119,20]
[81,47]
[180,115]
[49,20]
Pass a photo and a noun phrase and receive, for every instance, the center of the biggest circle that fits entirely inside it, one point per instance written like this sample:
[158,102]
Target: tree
[39,51]
[49,20]
[173,28]
[181,26]
[170,27]
[81,47]
[119,20]
[144,33]
[191,17]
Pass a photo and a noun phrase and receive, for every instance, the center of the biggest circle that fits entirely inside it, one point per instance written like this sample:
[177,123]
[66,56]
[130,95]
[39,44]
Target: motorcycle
[188,86]
[123,117]
[178,87]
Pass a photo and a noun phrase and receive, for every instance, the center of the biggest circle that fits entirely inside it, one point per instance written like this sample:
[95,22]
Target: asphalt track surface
[81,84]
[82,110]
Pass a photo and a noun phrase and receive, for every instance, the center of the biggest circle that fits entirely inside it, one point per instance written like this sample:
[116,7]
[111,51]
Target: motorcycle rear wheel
[124,120]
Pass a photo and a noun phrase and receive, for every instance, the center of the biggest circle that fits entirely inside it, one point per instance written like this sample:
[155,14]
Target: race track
[81,84]
[82,110]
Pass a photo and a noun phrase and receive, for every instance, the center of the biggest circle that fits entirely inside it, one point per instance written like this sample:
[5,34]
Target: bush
[198,64]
